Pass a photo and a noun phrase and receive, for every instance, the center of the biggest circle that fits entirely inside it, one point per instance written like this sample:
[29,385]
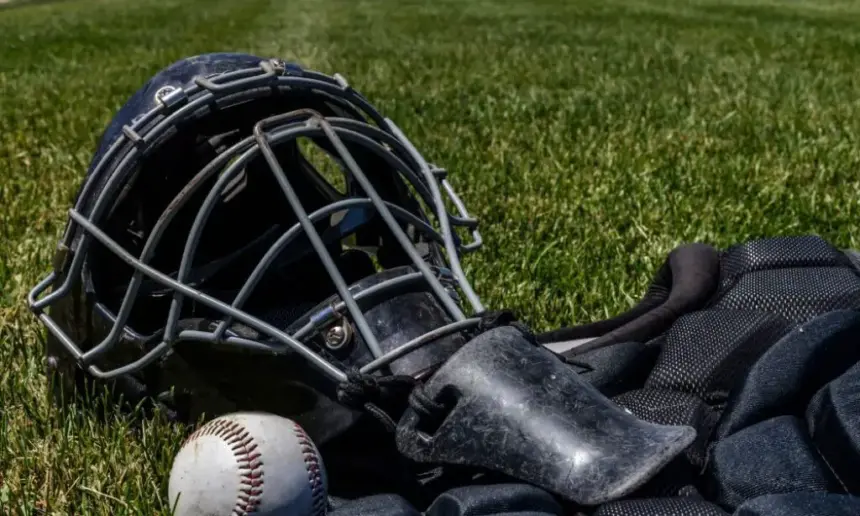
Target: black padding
[796,277]
[774,456]
[764,370]
[676,479]
[495,500]
[833,418]
[801,504]
[786,377]
[654,297]
[616,368]
[376,505]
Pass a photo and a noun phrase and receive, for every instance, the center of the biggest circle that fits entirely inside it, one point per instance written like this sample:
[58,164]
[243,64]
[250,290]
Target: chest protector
[757,348]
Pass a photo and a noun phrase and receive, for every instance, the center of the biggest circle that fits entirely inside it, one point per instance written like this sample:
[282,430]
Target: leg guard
[517,409]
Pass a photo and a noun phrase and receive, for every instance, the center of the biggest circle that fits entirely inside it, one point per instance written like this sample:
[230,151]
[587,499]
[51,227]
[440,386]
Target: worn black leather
[516,408]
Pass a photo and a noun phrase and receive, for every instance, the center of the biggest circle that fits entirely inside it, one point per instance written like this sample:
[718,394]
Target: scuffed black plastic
[519,410]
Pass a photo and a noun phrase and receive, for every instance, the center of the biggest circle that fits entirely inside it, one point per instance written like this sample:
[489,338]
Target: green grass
[589,137]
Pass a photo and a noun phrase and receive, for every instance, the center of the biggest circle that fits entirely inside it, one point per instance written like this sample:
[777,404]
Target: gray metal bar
[420,341]
[157,352]
[325,315]
[357,317]
[149,247]
[401,237]
[239,342]
[204,92]
[442,213]
[293,232]
[314,359]
[477,240]
[194,235]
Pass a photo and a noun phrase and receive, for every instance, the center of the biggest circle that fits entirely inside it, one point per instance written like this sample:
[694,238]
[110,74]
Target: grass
[589,137]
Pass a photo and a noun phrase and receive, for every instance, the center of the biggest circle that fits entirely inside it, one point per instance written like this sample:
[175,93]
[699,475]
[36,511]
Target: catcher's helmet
[212,263]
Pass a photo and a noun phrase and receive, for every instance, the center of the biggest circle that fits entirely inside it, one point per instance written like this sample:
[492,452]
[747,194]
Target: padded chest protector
[748,346]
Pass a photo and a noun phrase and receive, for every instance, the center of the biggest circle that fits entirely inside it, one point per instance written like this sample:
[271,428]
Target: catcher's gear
[518,409]
[755,346]
[239,208]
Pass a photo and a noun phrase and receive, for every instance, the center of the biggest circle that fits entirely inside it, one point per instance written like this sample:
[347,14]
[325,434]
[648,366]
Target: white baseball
[248,463]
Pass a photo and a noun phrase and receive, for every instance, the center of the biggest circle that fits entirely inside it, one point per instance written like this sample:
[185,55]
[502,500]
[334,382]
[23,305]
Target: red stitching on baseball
[247,457]
[314,470]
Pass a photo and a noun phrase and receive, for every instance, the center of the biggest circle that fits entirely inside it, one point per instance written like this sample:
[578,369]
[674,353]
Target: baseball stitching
[247,458]
[312,464]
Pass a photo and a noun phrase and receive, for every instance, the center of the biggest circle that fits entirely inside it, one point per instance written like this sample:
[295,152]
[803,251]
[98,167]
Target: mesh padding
[774,456]
[680,506]
[767,288]
[706,352]
[663,406]
[777,253]
[796,294]
[673,408]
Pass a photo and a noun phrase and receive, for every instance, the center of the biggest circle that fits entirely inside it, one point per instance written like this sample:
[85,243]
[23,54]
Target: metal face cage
[177,104]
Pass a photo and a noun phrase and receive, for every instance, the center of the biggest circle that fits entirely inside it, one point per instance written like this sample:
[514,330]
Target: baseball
[248,463]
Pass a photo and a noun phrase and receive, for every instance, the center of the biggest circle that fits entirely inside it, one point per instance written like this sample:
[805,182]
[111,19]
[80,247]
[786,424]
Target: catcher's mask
[252,207]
